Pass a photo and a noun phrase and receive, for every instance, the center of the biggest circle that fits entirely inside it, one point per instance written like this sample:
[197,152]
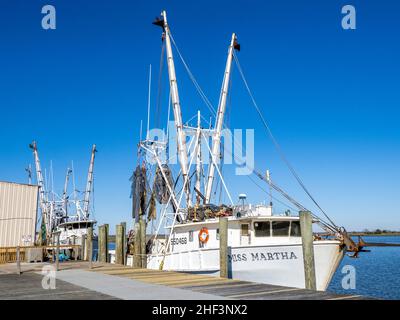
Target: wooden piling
[102,251]
[143,255]
[137,261]
[75,250]
[124,242]
[308,249]
[57,251]
[223,247]
[119,245]
[107,227]
[89,244]
[83,248]
[18,260]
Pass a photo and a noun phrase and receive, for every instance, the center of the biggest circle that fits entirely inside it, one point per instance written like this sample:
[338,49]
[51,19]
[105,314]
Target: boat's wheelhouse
[245,228]
[72,231]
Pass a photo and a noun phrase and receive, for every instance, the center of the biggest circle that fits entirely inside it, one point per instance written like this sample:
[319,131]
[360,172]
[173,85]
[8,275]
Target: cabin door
[244,234]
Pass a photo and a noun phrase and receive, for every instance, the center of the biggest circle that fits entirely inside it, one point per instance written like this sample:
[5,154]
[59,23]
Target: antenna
[268,176]
[51,177]
[141,129]
[148,105]
[46,182]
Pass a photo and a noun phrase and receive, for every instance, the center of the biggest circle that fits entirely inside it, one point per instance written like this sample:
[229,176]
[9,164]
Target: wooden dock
[227,288]
[72,282]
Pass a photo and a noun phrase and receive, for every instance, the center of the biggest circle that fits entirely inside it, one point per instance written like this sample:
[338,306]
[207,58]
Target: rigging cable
[277,146]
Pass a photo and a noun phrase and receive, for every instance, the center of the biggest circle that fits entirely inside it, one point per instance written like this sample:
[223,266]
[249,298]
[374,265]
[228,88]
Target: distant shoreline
[384,234]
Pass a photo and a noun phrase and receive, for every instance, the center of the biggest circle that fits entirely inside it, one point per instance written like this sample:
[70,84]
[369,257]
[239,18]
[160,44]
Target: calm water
[377,272]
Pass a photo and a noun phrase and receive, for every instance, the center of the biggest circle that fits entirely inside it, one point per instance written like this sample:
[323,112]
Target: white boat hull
[272,264]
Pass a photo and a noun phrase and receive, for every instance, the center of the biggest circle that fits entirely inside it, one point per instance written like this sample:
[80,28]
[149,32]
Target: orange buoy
[203,235]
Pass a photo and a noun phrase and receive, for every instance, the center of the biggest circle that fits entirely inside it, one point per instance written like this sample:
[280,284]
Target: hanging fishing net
[160,187]
[138,192]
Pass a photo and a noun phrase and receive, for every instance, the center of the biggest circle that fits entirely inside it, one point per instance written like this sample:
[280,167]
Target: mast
[182,152]
[89,184]
[42,191]
[64,196]
[220,116]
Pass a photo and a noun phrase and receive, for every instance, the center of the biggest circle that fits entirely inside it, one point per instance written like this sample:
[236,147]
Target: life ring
[203,235]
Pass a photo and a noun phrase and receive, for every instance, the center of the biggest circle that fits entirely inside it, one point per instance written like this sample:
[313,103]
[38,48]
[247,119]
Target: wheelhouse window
[244,229]
[280,228]
[262,229]
[295,229]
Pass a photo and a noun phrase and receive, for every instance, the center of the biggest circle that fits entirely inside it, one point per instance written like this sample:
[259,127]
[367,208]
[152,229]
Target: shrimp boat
[263,245]
[64,216]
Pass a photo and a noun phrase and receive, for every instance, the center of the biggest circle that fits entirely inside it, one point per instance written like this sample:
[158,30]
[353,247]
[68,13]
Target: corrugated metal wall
[18,214]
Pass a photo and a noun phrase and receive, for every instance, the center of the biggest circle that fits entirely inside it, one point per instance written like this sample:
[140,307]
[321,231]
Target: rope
[277,146]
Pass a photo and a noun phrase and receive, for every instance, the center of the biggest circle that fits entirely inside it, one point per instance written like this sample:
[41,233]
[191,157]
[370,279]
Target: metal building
[18,214]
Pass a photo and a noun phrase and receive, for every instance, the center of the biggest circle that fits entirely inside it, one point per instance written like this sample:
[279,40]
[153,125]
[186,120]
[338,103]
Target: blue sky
[331,96]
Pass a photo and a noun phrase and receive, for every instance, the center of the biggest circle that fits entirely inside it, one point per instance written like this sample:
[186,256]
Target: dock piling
[83,248]
[223,247]
[103,243]
[137,261]
[124,242]
[18,260]
[119,245]
[308,249]
[90,246]
[107,227]
[143,242]
[57,236]
[75,250]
